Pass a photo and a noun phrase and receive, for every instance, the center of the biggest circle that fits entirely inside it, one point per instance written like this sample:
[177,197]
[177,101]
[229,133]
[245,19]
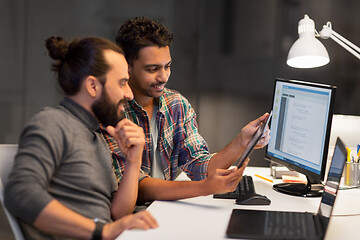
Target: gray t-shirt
[156,165]
[61,156]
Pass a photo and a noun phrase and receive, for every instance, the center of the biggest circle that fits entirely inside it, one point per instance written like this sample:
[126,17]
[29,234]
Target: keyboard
[245,193]
[244,187]
[288,223]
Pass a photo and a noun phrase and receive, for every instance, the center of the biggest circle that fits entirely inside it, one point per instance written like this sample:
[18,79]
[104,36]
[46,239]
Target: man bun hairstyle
[140,32]
[78,59]
[57,48]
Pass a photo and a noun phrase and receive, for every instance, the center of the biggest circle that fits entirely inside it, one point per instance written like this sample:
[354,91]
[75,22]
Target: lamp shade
[307,51]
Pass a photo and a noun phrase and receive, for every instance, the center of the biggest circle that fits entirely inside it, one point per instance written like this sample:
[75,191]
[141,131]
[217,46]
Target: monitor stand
[300,189]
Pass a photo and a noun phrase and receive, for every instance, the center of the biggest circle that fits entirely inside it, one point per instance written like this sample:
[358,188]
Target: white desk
[207,218]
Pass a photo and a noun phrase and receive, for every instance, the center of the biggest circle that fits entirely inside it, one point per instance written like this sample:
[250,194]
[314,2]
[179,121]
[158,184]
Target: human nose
[163,75]
[128,92]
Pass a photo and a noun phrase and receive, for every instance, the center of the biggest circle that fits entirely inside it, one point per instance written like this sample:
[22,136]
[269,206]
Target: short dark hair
[79,59]
[140,32]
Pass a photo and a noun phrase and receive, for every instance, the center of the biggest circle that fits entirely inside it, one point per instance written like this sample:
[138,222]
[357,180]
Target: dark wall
[226,54]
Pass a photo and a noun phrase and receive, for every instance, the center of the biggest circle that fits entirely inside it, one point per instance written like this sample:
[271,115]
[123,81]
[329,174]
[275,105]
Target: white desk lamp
[309,52]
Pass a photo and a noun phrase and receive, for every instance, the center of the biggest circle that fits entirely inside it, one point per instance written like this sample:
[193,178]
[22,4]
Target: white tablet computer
[250,147]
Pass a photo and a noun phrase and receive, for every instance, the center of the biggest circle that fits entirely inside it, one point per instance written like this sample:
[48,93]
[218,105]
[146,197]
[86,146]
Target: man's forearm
[226,157]
[157,189]
[128,186]
[56,219]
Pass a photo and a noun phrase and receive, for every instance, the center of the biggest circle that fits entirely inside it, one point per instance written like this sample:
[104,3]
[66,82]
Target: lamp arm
[345,41]
[347,47]
[328,32]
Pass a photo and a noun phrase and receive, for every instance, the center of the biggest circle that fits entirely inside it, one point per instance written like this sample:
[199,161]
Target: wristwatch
[99,224]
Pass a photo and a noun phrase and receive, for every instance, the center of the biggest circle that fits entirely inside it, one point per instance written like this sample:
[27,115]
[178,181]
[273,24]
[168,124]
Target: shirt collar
[158,103]
[81,113]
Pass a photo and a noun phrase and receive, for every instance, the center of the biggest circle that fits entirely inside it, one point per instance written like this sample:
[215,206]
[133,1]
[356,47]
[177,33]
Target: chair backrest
[7,154]
[347,127]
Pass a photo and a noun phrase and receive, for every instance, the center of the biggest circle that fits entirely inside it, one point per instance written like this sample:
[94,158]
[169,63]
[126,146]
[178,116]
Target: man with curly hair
[173,141]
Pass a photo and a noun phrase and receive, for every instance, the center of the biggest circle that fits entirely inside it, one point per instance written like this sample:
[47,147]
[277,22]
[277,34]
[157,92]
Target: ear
[93,86]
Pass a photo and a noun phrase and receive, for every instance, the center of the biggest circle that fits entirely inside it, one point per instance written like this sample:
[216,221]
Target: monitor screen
[300,126]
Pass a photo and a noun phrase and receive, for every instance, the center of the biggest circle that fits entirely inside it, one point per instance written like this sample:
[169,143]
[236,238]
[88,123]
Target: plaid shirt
[180,144]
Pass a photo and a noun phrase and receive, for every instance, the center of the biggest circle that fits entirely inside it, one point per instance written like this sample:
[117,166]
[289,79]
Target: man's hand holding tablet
[260,133]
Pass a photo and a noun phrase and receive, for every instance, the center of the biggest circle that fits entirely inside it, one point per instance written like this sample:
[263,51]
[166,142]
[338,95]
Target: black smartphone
[250,147]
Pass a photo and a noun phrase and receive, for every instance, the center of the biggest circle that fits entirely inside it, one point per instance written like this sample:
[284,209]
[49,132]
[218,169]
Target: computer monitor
[300,132]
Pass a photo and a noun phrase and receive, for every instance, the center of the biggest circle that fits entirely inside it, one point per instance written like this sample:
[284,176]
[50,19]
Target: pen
[269,180]
[347,176]
[348,154]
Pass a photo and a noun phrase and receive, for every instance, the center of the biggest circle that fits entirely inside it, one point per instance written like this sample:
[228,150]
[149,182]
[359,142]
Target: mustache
[159,84]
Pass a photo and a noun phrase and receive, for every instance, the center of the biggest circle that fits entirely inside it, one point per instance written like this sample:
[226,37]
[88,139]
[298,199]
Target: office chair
[7,154]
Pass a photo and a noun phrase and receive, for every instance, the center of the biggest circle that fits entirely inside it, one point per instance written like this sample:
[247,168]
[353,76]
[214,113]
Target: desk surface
[207,218]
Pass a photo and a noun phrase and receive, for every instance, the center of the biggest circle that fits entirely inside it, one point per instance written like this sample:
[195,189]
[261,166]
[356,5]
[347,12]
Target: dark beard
[105,111]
